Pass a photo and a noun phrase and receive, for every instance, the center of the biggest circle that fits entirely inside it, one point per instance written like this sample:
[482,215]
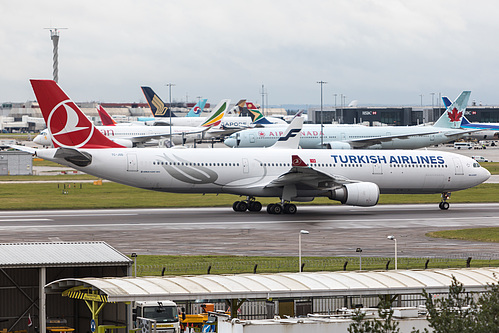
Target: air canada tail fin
[197,109]
[105,117]
[215,117]
[447,103]
[66,123]
[256,116]
[291,137]
[157,106]
[453,115]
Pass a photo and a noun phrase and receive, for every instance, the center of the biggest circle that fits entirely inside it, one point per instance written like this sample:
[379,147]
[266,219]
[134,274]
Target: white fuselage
[140,134]
[227,121]
[247,172]
[346,135]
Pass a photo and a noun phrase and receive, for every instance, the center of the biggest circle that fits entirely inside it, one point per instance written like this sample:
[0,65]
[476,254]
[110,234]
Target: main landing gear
[444,205]
[252,205]
[278,208]
[249,204]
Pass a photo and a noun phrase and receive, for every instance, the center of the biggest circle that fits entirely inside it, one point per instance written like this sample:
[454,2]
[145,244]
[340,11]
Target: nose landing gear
[444,205]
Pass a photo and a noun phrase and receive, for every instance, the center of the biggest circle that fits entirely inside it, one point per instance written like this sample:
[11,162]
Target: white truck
[162,314]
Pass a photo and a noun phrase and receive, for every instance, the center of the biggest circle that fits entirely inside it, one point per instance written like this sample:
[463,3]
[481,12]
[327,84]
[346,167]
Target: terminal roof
[281,285]
[70,254]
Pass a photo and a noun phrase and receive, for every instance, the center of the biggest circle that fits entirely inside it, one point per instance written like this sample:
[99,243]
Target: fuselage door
[432,137]
[132,164]
[458,166]
[343,137]
[252,138]
[377,169]
[245,165]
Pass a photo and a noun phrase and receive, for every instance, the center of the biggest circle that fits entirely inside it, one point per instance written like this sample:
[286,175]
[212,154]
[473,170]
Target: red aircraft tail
[67,124]
[105,117]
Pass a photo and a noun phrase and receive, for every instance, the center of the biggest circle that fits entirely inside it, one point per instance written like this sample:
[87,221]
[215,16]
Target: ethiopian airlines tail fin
[453,116]
[105,117]
[197,109]
[66,123]
[157,106]
[215,117]
[256,116]
[291,137]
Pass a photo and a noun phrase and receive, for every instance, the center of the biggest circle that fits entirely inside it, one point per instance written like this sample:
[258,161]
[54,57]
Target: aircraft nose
[230,141]
[37,139]
[485,174]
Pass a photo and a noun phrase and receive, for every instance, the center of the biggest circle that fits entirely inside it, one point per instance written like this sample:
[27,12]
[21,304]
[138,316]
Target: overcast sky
[373,51]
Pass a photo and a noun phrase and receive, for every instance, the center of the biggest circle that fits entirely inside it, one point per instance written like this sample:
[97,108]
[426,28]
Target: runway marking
[349,224]
[24,220]
[71,215]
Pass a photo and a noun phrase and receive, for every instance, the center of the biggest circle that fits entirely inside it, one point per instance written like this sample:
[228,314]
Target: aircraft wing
[149,137]
[24,148]
[304,176]
[463,131]
[367,142]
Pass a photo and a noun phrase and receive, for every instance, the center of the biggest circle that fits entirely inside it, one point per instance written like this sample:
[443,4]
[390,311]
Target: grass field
[476,234]
[153,265]
[72,195]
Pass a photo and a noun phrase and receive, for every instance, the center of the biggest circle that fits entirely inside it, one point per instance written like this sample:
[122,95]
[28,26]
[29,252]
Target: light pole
[170,85]
[134,256]
[322,122]
[302,232]
[395,240]
[359,251]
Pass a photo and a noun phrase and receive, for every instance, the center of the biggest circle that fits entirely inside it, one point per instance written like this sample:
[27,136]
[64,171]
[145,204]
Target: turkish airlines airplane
[353,177]
[133,135]
[445,129]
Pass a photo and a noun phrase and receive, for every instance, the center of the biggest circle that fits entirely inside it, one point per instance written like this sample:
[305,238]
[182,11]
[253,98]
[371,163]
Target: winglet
[215,117]
[296,161]
[67,125]
[453,116]
[105,117]
[291,137]
[156,104]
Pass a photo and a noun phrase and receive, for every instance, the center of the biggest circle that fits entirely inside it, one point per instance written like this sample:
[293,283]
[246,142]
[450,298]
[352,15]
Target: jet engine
[124,142]
[338,145]
[356,194]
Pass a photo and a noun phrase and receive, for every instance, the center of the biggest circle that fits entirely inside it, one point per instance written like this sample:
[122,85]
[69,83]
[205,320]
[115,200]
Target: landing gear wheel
[242,206]
[255,206]
[289,209]
[234,205]
[274,209]
[444,205]
[277,209]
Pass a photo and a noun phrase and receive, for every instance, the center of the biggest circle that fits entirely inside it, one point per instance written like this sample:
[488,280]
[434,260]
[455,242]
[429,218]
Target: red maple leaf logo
[454,115]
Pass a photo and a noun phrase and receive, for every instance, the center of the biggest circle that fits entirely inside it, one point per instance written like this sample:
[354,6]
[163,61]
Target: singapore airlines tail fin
[215,117]
[291,137]
[197,109]
[105,117]
[68,126]
[453,115]
[157,106]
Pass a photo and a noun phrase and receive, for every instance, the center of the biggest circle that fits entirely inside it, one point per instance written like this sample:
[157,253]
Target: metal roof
[281,285]
[17,255]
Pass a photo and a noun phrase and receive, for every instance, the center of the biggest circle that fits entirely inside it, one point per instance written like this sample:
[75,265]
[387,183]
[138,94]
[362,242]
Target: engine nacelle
[338,145]
[357,194]
[123,142]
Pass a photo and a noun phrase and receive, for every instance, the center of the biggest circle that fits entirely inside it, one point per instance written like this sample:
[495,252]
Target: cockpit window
[476,165]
